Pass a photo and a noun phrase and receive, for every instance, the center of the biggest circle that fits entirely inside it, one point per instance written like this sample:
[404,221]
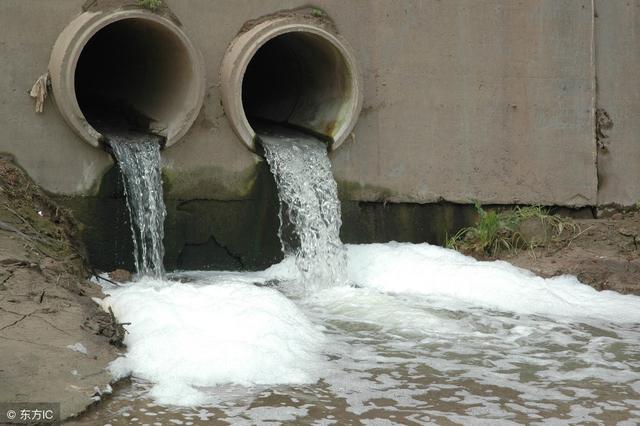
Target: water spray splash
[309,204]
[139,162]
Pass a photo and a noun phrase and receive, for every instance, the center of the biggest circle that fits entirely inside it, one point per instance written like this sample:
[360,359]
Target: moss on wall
[368,222]
[199,234]
[211,183]
[242,234]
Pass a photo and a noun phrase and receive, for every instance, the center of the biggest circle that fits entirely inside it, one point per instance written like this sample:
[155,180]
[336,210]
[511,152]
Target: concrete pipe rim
[243,49]
[70,45]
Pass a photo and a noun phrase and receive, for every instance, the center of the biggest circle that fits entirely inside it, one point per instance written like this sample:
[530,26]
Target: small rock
[120,275]
[628,232]
[534,231]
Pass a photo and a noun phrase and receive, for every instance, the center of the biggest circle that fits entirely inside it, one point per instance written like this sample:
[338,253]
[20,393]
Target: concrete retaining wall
[464,100]
[618,61]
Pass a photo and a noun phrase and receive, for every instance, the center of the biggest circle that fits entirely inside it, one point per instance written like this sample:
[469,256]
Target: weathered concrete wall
[42,144]
[486,100]
[464,100]
[618,93]
[242,234]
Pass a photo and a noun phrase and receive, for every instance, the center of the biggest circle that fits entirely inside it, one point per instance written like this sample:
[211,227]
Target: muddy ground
[603,253]
[54,341]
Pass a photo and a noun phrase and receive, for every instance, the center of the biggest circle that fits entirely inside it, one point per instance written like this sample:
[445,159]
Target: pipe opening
[297,79]
[126,72]
[132,75]
[293,74]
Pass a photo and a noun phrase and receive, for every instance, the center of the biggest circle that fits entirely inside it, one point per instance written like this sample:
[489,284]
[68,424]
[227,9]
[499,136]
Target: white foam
[415,307]
[78,347]
[185,336]
[444,274]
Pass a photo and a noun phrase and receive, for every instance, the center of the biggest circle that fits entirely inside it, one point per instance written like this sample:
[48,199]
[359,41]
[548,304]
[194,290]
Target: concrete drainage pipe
[126,67]
[290,69]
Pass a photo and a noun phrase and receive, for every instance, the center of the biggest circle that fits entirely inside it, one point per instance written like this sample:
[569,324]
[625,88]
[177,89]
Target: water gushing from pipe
[310,216]
[139,162]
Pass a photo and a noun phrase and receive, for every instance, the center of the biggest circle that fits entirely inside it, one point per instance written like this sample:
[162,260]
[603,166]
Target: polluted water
[392,333]
[309,204]
[139,162]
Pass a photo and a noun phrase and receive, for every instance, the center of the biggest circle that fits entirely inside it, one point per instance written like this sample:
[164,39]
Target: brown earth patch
[54,339]
[603,253]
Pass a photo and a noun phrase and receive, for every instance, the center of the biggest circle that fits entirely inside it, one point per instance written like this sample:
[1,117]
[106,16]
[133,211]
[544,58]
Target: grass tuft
[150,4]
[507,230]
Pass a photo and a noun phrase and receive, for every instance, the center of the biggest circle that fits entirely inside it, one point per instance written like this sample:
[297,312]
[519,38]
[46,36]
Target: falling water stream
[139,162]
[393,333]
[309,202]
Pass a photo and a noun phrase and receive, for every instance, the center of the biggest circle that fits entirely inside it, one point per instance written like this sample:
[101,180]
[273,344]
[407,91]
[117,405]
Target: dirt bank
[603,253]
[54,342]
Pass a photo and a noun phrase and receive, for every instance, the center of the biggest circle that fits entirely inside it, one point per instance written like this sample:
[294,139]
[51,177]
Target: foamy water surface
[420,335]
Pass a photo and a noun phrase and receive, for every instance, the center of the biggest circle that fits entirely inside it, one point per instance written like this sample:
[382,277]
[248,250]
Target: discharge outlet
[291,70]
[126,69]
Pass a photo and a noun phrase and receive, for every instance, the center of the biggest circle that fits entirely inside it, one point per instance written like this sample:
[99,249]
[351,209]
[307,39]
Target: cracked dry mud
[45,304]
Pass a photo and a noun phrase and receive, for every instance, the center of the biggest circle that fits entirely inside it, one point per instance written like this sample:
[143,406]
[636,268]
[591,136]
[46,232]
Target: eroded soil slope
[54,341]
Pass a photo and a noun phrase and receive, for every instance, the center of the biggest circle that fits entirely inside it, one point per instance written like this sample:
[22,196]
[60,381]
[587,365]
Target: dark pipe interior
[299,80]
[273,82]
[130,74]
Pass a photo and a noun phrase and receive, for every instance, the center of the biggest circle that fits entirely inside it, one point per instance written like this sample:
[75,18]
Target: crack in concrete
[224,247]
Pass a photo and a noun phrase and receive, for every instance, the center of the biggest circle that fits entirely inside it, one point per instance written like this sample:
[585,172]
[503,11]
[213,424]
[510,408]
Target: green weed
[497,231]
[150,4]
[317,13]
